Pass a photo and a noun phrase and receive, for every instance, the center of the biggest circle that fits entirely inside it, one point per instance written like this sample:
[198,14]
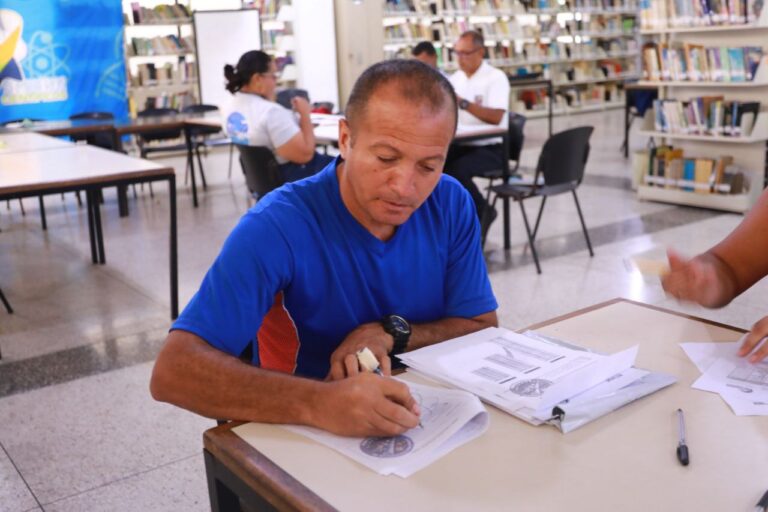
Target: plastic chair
[561,164]
[262,173]
[104,140]
[159,135]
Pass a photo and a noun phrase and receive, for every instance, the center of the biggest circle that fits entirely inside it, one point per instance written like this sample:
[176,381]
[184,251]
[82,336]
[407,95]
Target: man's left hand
[344,359]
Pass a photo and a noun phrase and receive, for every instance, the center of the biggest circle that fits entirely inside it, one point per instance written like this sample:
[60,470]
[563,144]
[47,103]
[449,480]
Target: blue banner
[61,57]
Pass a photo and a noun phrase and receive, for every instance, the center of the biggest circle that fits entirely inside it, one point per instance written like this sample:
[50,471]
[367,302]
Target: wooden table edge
[259,472]
[104,180]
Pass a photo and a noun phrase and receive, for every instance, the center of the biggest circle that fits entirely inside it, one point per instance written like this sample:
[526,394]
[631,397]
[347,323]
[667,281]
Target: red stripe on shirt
[278,339]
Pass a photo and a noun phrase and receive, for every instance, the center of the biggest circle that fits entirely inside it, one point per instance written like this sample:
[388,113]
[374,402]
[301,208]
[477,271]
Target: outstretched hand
[755,342]
[695,280]
[366,405]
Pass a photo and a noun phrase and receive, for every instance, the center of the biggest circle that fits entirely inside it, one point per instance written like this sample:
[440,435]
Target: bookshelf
[160,55]
[711,70]
[588,48]
[278,39]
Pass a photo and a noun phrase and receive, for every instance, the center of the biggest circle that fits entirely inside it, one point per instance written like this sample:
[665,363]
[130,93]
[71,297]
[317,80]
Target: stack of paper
[743,385]
[449,418]
[528,376]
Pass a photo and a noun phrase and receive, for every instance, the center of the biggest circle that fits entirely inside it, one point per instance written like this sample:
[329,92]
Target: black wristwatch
[464,104]
[400,330]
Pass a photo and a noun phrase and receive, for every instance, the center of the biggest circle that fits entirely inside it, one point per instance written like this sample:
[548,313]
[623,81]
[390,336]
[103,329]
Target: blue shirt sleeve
[254,265]
[467,288]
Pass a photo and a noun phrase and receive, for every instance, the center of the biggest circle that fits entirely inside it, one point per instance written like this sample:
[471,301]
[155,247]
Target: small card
[648,267]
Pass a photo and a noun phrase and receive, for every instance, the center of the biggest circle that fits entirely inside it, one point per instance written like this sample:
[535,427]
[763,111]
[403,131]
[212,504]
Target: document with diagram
[449,418]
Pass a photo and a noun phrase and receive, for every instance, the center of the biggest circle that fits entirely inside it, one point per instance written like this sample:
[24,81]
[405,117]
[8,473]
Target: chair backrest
[160,134]
[516,135]
[285,96]
[93,115]
[564,156]
[262,173]
[199,108]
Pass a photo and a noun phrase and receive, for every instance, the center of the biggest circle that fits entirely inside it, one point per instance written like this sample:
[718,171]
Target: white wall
[314,28]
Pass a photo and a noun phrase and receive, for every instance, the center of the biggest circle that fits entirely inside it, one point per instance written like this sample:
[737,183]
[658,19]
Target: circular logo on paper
[237,128]
[386,447]
[532,387]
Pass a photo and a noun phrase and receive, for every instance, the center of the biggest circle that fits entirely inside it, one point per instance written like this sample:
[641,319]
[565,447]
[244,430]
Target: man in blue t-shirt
[378,250]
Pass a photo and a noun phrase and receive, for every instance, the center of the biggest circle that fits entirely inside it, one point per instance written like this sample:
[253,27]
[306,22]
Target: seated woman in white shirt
[255,119]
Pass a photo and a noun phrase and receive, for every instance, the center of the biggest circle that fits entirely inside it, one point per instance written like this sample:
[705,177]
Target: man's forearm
[485,114]
[430,333]
[193,375]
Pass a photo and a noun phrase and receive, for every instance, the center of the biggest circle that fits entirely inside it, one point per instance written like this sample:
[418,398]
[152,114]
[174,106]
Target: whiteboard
[221,37]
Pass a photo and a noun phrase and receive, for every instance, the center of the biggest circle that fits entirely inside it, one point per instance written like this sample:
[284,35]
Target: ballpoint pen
[369,362]
[762,505]
[682,448]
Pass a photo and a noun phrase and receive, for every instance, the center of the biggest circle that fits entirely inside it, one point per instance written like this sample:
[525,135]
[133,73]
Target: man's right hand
[697,280]
[365,405]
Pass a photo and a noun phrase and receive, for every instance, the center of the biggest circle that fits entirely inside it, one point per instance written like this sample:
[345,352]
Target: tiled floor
[78,429]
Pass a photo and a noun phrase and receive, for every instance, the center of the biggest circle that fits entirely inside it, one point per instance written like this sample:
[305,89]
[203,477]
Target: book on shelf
[697,63]
[669,168]
[159,13]
[661,14]
[706,115]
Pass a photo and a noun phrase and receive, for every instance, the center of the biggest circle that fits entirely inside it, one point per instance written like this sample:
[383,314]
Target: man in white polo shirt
[483,96]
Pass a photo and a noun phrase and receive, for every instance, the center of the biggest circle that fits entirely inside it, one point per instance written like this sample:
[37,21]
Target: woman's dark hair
[250,63]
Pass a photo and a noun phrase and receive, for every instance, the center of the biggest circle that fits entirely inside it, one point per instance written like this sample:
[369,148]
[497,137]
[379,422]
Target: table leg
[97,225]
[551,93]
[174,257]
[505,176]
[222,497]
[43,221]
[627,105]
[191,161]
[122,200]
[91,235]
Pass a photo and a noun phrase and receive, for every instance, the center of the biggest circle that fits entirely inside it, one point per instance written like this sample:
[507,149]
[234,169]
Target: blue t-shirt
[298,273]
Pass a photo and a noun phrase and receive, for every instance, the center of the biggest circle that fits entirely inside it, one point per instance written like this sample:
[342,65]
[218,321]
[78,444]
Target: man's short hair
[477,38]
[417,83]
[424,47]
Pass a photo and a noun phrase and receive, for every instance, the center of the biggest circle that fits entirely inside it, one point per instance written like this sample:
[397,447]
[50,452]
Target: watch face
[399,324]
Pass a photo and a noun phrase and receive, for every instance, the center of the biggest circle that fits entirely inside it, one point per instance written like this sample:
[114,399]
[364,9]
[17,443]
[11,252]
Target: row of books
[668,167]
[695,62]
[177,100]
[270,8]
[501,7]
[158,13]
[407,32]
[587,49]
[152,74]
[706,115]
[161,45]
[655,14]
[584,71]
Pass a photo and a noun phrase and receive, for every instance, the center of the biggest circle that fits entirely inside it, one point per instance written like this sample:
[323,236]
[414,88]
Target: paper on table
[449,419]
[743,385]
[704,354]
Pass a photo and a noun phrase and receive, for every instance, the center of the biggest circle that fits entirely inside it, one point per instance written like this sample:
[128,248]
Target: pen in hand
[368,362]
[682,448]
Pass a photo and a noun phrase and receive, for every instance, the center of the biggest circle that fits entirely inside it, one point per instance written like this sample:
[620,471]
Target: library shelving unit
[160,55]
[669,31]
[588,48]
[276,18]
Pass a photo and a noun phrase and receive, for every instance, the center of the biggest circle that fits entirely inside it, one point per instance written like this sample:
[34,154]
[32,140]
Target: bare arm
[486,114]
[372,335]
[301,147]
[193,375]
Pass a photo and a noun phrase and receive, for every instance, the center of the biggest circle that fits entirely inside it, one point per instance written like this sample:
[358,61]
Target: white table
[29,141]
[624,461]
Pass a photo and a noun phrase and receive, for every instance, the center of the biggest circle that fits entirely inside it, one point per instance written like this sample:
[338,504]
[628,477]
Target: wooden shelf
[752,139]
[703,28]
[155,23]
[738,203]
[691,83]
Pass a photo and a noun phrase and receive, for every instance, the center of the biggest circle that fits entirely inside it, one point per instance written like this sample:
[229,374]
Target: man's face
[393,161]
[429,60]
[469,56]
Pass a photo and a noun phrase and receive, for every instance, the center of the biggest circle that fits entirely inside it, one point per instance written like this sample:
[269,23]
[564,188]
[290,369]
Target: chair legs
[583,226]
[530,238]
[5,302]
[42,213]
[538,216]
[231,150]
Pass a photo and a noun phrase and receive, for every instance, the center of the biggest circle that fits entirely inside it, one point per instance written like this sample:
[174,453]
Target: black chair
[262,173]
[163,135]
[201,137]
[104,140]
[561,164]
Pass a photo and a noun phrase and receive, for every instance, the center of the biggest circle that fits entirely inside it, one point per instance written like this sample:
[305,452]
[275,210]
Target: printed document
[449,418]
[521,375]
